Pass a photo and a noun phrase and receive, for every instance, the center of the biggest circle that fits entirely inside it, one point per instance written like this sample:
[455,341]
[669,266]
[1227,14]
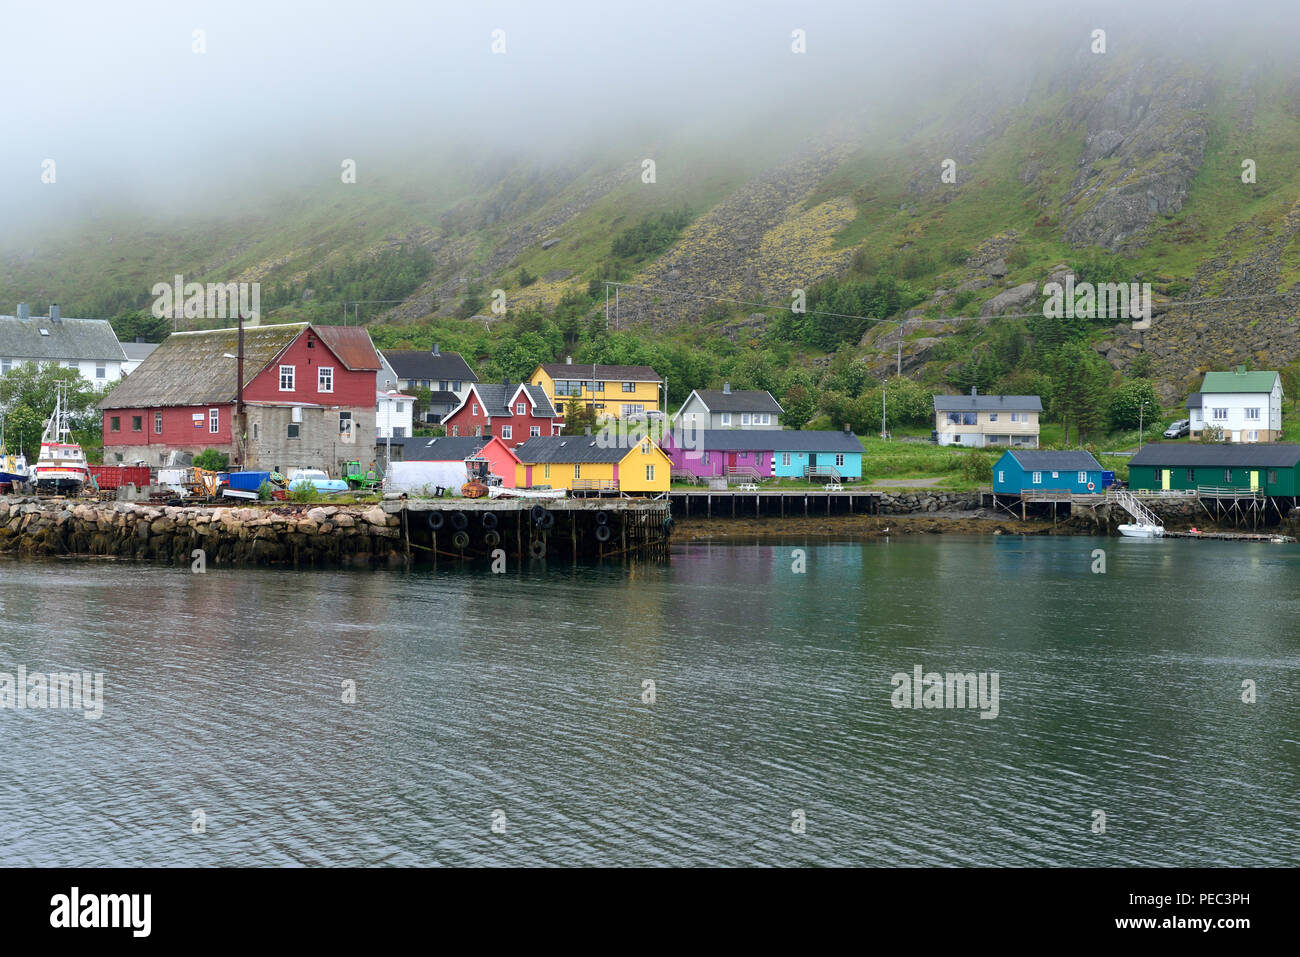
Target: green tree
[212,460]
[578,417]
[1126,405]
[1079,388]
[27,396]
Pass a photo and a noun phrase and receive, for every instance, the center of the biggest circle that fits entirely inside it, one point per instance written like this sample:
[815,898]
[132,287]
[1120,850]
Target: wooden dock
[733,503]
[1232,536]
[534,529]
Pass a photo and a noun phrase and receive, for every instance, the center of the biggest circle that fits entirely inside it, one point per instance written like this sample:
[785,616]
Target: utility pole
[882,410]
[1141,409]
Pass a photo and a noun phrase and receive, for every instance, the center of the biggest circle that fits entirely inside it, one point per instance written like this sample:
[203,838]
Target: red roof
[352,345]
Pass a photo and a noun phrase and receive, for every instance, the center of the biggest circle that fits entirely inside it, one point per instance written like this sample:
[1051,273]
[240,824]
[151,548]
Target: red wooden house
[513,413]
[308,399]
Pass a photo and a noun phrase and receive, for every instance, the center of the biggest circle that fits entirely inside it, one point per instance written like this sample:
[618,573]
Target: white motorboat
[1142,530]
[500,491]
[61,466]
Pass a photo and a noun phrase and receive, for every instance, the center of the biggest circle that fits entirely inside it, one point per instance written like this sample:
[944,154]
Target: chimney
[435,349]
[568,360]
[726,388]
[24,311]
[55,314]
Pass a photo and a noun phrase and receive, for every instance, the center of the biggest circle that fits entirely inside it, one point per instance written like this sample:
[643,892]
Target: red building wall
[465,421]
[307,354]
[177,426]
[501,461]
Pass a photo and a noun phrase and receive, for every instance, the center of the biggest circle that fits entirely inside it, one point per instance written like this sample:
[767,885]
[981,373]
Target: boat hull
[1141,531]
[497,491]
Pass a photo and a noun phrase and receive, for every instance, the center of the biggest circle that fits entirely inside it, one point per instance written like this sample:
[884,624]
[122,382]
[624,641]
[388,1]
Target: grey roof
[188,368]
[585,371]
[574,448]
[987,403]
[1238,455]
[772,440]
[496,396]
[66,339]
[138,351]
[758,400]
[1054,460]
[425,365]
[1194,400]
[449,399]
[442,449]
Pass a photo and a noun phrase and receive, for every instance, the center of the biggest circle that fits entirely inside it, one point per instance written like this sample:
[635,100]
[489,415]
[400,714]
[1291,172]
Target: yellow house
[583,463]
[617,391]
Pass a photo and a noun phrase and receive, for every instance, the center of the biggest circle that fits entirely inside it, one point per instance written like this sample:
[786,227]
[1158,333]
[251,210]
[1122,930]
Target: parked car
[316,478]
[1178,429]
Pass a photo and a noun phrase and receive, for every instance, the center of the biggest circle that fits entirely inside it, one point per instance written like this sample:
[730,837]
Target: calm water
[523,694]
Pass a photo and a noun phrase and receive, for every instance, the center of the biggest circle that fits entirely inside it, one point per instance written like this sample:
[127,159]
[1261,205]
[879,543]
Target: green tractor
[358,478]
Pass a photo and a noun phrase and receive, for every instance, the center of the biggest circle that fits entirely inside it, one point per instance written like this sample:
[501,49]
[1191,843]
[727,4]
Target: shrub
[264,492]
[304,492]
[212,460]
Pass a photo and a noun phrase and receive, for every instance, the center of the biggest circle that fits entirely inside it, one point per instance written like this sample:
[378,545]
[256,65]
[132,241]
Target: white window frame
[1002,476]
[101,370]
[1219,415]
[214,421]
[521,408]
[322,374]
[473,408]
[726,418]
[507,432]
[534,431]
[1038,478]
[744,418]
[1252,414]
[785,458]
[289,374]
[1083,478]
[157,423]
[649,473]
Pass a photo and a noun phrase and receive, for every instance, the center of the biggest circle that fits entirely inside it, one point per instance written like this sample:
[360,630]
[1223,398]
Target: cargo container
[115,476]
[248,481]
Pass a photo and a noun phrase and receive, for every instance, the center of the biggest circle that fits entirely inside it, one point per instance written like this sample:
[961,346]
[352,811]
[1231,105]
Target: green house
[1266,467]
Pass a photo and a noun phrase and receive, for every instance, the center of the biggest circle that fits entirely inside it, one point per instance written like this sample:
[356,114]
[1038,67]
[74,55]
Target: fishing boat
[13,468]
[1142,530]
[61,466]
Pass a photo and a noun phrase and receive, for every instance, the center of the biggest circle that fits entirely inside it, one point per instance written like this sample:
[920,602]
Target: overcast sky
[115,94]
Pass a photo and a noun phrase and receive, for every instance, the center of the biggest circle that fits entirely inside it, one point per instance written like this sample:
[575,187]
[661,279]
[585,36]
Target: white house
[724,409]
[981,420]
[136,353]
[445,374]
[88,345]
[393,415]
[1247,406]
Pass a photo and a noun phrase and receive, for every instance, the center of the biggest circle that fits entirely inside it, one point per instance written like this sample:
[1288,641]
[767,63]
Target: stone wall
[902,501]
[285,534]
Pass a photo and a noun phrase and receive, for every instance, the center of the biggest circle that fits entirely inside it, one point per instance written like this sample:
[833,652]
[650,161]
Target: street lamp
[1141,409]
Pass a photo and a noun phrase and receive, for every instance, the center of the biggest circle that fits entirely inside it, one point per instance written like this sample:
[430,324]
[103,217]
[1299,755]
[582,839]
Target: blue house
[810,453]
[1029,470]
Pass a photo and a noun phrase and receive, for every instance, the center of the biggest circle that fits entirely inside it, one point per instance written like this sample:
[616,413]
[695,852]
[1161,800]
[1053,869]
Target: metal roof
[496,397]
[756,400]
[767,440]
[583,371]
[410,364]
[574,448]
[1265,455]
[351,344]
[987,403]
[1239,381]
[138,351]
[1194,401]
[1056,460]
[442,449]
[62,340]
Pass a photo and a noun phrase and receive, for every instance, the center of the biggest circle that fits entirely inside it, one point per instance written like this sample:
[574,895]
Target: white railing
[1127,501]
[821,471]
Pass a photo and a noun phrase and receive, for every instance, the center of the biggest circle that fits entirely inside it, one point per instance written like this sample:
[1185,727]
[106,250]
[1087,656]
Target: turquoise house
[808,454]
[1042,470]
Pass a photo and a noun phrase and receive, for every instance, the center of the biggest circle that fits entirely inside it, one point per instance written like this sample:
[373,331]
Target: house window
[1038,478]
[294,427]
[706,458]
[1083,478]
[726,418]
[455,430]
[629,386]
[137,423]
[1272,476]
[839,460]
[442,386]
[1252,414]
[157,423]
[649,473]
[345,421]
[1252,436]
[1191,475]
[214,421]
[555,428]
[507,432]
[534,431]
[521,408]
[645,447]
[325,379]
[785,458]
[6,366]
[286,378]
[399,431]
[631,408]
[766,417]
[1002,476]
[577,471]
[600,387]
[744,418]
[101,372]
[255,431]
[559,408]
[1220,413]
[473,408]
[993,416]
[455,386]
[115,424]
[478,431]
[1227,475]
